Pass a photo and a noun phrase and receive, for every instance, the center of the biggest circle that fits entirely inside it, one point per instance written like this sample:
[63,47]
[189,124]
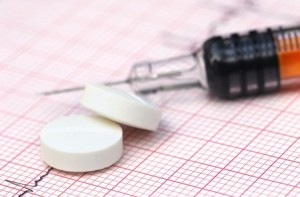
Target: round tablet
[80,143]
[122,107]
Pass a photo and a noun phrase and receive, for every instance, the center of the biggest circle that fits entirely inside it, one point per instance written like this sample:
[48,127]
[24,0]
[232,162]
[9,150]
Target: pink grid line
[245,149]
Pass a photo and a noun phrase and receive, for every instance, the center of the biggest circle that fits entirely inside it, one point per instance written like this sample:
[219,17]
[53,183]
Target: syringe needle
[151,72]
[113,83]
[48,93]
[52,92]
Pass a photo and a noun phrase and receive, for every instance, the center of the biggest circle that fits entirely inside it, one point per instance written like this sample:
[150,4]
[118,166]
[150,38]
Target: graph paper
[203,147]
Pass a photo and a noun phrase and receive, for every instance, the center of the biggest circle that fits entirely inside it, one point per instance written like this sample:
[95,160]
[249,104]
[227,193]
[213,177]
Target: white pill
[122,107]
[80,143]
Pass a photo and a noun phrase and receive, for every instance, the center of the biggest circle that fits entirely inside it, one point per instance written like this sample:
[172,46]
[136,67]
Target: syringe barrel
[252,63]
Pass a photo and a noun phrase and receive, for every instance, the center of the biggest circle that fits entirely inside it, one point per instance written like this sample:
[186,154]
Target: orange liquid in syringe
[289,57]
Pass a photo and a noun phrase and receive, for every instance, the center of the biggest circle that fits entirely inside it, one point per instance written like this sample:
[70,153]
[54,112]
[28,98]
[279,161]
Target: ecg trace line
[29,187]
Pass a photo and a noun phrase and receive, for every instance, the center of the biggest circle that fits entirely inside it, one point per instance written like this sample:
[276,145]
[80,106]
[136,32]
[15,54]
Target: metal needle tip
[48,93]
[53,92]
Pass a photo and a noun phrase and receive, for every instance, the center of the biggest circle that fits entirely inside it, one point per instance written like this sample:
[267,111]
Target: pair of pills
[81,143]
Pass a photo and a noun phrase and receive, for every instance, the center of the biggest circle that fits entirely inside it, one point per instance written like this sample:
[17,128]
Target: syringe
[232,66]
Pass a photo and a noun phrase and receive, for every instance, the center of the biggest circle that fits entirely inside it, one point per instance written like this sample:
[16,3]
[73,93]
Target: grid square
[215,155]
[8,191]
[172,121]
[24,129]
[139,184]
[159,165]
[271,144]
[30,157]
[54,184]
[94,75]
[293,153]
[35,85]
[83,189]
[256,117]
[12,148]
[171,188]
[60,69]
[2,163]
[48,44]
[16,38]
[287,124]
[221,110]
[282,171]
[7,119]
[201,128]
[106,178]
[267,188]
[195,174]
[132,157]
[187,101]
[16,104]
[294,106]
[77,52]
[251,163]
[278,102]
[181,146]
[113,193]
[236,135]
[69,29]
[294,191]
[145,139]
[9,78]
[27,60]
[53,109]
[230,183]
